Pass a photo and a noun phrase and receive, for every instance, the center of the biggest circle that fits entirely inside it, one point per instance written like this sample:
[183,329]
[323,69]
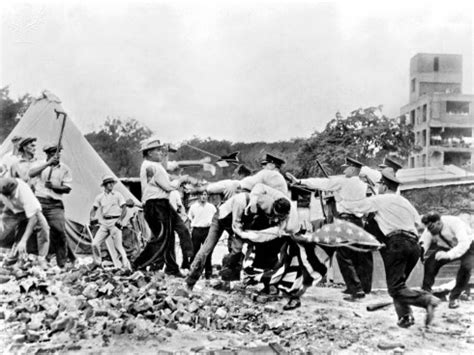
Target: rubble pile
[55,310]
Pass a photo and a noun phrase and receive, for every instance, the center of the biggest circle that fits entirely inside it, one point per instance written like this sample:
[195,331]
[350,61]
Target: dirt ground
[55,313]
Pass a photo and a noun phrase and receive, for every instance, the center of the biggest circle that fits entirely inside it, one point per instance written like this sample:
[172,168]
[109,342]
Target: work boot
[453,304]
[430,309]
[406,321]
[292,304]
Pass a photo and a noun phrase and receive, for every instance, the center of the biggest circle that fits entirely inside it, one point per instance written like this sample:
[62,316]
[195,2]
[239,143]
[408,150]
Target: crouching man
[451,239]
[112,209]
[21,214]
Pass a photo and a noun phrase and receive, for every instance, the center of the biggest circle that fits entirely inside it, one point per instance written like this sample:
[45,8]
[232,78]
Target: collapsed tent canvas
[86,165]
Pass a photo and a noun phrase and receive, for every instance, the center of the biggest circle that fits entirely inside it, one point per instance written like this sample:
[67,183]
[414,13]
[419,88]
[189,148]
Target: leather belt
[402,233]
[110,217]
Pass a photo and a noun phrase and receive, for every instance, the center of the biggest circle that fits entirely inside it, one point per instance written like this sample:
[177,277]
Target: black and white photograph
[225,177]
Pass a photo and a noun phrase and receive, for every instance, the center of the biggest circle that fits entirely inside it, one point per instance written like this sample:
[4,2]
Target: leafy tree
[364,135]
[11,111]
[118,143]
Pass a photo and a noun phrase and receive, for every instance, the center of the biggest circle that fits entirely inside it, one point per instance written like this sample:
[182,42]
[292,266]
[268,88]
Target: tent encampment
[87,167]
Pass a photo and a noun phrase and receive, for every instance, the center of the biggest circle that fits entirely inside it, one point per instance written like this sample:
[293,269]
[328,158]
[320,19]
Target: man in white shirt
[356,267]
[395,223]
[160,216]
[21,169]
[112,209]
[200,215]
[10,159]
[54,181]
[21,214]
[452,239]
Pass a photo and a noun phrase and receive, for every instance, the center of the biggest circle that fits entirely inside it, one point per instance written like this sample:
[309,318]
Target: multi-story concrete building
[441,115]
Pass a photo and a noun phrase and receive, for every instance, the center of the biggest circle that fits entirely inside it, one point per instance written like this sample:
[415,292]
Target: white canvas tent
[86,165]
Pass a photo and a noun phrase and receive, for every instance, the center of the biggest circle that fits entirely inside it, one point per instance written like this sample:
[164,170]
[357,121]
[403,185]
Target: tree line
[365,134]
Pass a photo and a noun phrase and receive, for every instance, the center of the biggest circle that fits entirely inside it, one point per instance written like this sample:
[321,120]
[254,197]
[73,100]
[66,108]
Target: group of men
[256,211]
[33,215]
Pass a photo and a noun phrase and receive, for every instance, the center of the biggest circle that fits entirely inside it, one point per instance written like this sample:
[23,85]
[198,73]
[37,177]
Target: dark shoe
[355,296]
[430,310]
[406,321]
[453,304]
[292,304]
[346,291]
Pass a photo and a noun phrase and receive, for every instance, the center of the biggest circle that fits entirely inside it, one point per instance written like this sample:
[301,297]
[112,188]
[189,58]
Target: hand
[292,178]
[251,208]
[440,255]
[129,203]
[48,184]
[118,224]
[205,160]
[21,248]
[53,161]
[94,221]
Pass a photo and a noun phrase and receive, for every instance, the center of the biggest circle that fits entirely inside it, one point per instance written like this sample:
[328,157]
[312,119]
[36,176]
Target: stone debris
[55,310]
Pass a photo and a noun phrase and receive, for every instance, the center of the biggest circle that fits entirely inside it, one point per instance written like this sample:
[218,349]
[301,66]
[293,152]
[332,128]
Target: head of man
[240,172]
[280,210]
[391,162]
[203,196]
[7,186]
[272,162]
[351,167]
[27,147]
[16,143]
[108,182]
[388,182]
[154,150]
[432,221]
[51,150]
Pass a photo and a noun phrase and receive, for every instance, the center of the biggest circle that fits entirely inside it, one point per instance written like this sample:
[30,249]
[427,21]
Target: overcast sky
[236,70]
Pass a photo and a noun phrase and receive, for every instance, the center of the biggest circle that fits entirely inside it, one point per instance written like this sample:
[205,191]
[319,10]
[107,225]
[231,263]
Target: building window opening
[436,64]
[412,117]
[413,85]
[458,159]
[425,112]
[424,138]
[457,107]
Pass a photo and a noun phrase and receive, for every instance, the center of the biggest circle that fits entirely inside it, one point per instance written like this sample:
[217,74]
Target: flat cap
[51,147]
[26,141]
[108,178]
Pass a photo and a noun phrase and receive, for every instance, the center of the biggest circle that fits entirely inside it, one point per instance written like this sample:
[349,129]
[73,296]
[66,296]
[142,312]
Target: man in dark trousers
[54,181]
[451,239]
[356,267]
[395,223]
[159,214]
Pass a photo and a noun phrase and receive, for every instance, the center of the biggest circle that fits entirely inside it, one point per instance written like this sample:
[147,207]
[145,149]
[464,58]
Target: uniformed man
[395,223]
[54,181]
[356,267]
[451,239]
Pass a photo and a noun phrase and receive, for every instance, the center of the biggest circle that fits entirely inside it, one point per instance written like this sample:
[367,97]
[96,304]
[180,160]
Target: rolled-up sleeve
[29,201]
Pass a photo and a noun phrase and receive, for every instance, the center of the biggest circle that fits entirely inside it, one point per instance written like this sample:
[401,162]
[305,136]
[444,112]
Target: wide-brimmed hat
[150,143]
[108,178]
